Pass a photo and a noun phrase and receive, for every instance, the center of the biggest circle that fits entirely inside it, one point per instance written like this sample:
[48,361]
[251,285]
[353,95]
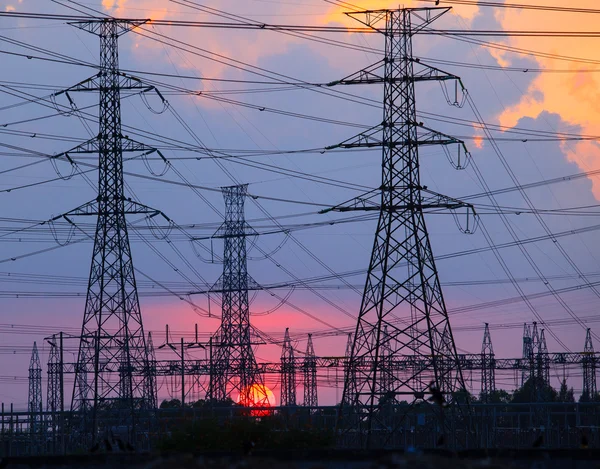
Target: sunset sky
[553,92]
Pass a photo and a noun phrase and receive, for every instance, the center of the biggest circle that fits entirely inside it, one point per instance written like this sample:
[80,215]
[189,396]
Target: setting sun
[257,395]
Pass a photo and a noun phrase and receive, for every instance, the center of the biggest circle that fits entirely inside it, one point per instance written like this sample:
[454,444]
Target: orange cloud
[573,96]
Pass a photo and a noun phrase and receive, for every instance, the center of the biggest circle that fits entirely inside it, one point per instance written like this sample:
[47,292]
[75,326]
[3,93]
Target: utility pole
[235,367]
[112,365]
[309,367]
[34,400]
[402,289]
[288,372]
[589,370]
[488,366]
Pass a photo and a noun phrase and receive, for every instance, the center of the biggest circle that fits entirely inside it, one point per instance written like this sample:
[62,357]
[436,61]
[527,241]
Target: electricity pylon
[111,373]
[589,370]
[152,391]
[34,400]
[488,366]
[234,365]
[402,289]
[288,372]
[55,393]
[543,360]
[527,354]
[309,368]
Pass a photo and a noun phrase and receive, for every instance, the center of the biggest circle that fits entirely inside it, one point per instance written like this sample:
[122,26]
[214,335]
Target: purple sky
[341,247]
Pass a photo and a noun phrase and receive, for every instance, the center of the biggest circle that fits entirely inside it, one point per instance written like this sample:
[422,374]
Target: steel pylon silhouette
[55,392]
[309,368]
[488,366]
[112,366]
[152,391]
[402,290]
[235,368]
[288,372]
[589,370]
[34,399]
[527,353]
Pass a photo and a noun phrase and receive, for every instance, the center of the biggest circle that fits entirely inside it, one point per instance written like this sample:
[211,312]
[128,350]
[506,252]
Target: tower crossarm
[375,73]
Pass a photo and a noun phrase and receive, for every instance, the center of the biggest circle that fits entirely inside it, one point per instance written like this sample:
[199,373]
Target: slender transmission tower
[527,354]
[309,367]
[53,390]
[55,393]
[402,289]
[152,391]
[543,360]
[589,370]
[34,400]
[488,366]
[112,372]
[288,372]
[235,367]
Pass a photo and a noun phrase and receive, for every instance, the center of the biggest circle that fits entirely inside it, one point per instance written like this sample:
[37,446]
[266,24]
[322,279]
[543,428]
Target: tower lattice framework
[34,399]
[527,353]
[288,372]
[402,290]
[488,366]
[112,370]
[235,367]
[309,368]
[589,370]
[152,389]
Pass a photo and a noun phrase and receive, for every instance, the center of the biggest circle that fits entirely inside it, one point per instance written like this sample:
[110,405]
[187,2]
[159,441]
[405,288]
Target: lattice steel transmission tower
[235,367]
[309,368]
[55,404]
[34,399]
[488,366]
[387,370]
[527,354]
[402,289]
[288,372]
[589,370]
[112,372]
[152,391]
[543,360]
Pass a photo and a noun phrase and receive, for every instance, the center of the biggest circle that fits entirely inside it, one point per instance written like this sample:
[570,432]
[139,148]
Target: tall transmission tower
[349,371]
[55,403]
[288,372]
[527,353]
[402,289]
[112,365]
[589,370]
[387,371]
[488,366]
[309,368]
[53,390]
[152,391]
[235,367]
[543,360]
[34,399]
